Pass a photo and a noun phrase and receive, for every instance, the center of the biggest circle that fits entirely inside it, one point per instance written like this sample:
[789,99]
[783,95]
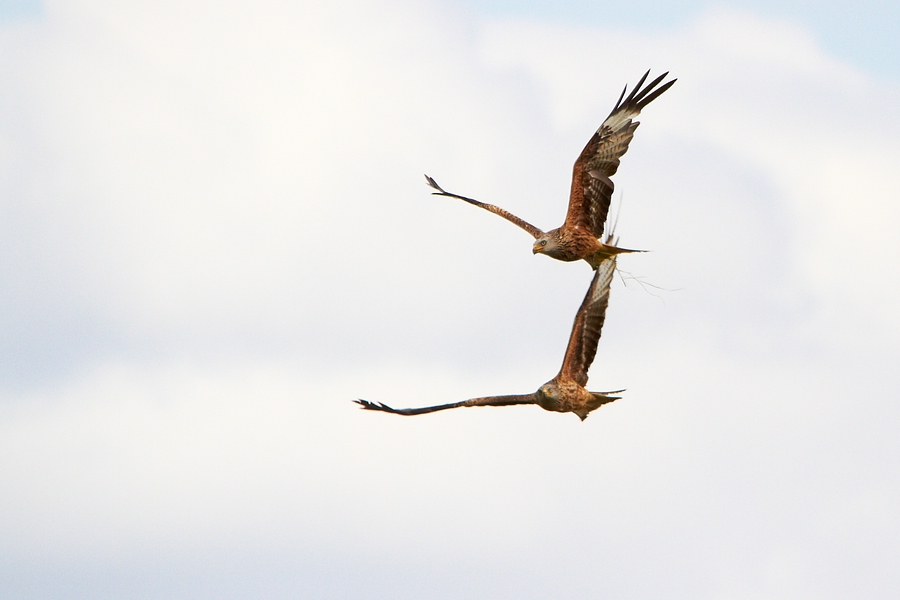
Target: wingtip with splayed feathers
[641,97]
[434,184]
[366,405]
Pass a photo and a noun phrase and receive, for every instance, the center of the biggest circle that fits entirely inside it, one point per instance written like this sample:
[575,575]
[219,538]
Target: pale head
[546,243]
[549,390]
[547,396]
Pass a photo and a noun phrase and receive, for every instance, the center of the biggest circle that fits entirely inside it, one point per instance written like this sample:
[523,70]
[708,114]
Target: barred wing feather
[592,187]
[588,324]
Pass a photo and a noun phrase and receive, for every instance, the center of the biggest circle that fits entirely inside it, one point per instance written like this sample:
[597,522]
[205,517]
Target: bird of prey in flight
[566,391]
[579,236]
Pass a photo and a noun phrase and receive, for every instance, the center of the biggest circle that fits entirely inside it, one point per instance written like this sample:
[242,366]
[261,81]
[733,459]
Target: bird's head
[547,396]
[543,244]
[549,391]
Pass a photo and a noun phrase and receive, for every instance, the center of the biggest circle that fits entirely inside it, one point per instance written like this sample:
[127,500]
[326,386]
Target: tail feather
[600,398]
[617,250]
[606,253]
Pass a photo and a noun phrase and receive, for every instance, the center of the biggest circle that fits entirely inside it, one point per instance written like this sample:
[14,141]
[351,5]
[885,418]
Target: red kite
[579,236]
[566,391]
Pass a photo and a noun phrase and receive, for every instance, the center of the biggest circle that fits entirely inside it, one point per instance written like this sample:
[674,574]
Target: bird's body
[589,198]
[563,395]
[566,391]
[576,244]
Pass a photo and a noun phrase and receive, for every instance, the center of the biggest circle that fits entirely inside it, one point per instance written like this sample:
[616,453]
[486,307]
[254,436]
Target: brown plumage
[579,236]
[566,391]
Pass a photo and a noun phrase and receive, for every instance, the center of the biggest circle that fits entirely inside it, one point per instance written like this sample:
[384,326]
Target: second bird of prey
[579,237]
[566,391]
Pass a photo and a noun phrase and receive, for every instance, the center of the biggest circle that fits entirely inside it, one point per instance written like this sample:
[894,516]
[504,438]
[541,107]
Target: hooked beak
[536,248]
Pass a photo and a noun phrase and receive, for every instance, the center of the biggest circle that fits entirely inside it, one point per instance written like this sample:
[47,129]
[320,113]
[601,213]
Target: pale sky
[859,31]
[215,233]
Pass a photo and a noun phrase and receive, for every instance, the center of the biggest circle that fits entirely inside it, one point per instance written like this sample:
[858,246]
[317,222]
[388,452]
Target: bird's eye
[543,242]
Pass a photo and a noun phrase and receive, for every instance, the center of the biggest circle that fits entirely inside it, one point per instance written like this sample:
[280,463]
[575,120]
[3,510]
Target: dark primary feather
[588,325]
[638,98]
[534,231]
[405,411]
[592,187]
[486,401]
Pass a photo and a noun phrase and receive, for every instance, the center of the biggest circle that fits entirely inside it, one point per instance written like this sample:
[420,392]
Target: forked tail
[613,250]
[599,399]
[606,253]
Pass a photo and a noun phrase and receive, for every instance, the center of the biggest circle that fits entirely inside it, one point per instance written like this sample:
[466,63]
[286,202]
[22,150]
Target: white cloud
[762,94]
[215,234]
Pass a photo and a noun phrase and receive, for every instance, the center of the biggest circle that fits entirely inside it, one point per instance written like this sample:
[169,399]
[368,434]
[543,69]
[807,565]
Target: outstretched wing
[592,187]
[486,401]
[588,324]
[534,231]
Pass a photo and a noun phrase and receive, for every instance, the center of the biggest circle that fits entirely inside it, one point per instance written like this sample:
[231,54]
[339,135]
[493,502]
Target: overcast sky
[214,234]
